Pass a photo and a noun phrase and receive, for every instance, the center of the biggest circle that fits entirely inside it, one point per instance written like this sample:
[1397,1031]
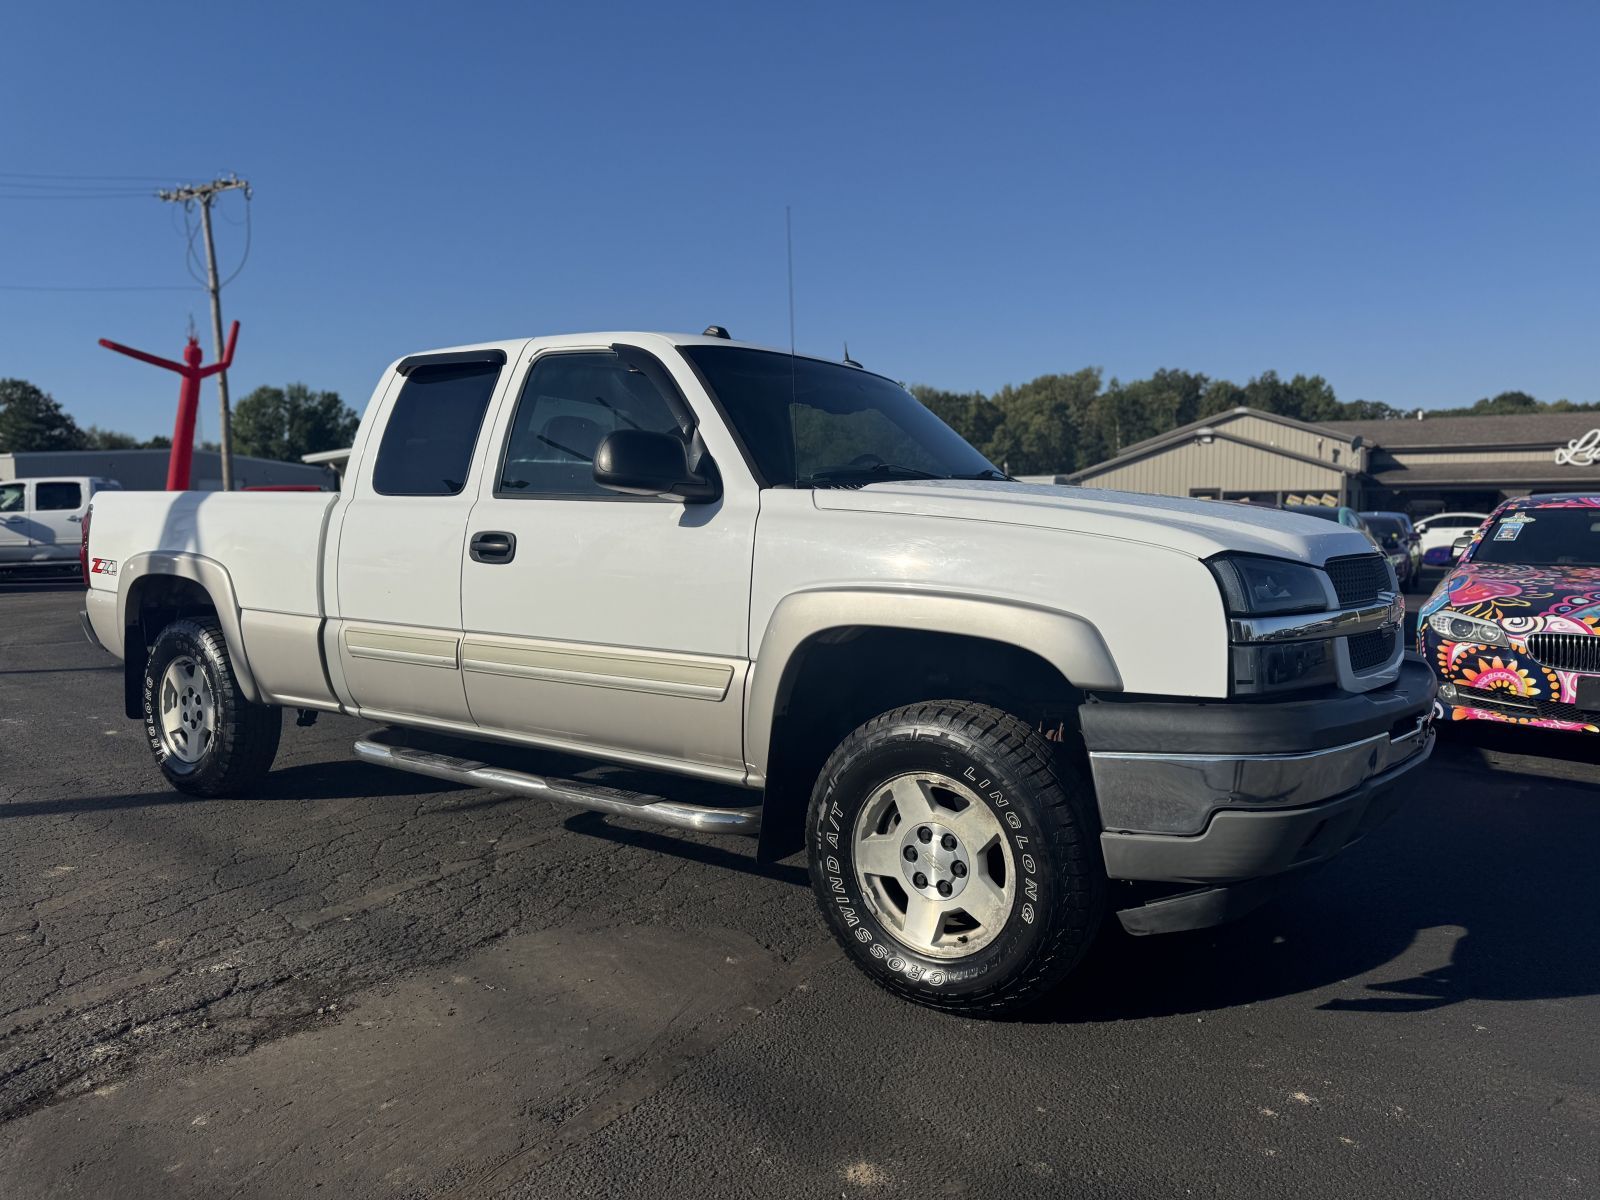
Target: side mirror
[1459,546]
[640,463]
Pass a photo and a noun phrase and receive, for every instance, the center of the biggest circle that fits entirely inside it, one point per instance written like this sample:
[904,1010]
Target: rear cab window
[432,428]
[57,497]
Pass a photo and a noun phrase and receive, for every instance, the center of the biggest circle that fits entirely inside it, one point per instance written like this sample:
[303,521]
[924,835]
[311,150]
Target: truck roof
[514,346]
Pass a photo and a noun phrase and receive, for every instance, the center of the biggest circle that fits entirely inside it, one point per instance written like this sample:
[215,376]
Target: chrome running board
[696,818]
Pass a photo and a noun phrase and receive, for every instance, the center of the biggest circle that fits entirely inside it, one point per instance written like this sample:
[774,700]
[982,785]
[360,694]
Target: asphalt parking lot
[373,985]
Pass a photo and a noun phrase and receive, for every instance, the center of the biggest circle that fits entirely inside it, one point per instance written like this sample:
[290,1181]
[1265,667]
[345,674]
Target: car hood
[1197,527]
[1523,599]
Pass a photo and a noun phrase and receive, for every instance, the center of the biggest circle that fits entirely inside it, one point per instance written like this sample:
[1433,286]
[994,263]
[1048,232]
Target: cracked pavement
[377,984]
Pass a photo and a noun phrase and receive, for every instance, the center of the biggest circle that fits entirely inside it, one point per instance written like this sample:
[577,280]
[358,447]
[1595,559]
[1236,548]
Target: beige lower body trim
[417,649]
[630,671]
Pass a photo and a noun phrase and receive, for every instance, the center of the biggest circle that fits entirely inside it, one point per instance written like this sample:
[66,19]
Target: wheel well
[154,602]
[839,678]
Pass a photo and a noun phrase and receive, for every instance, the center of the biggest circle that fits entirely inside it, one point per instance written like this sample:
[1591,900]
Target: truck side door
[599,622]
[58,506]
[14,522]
[398,559]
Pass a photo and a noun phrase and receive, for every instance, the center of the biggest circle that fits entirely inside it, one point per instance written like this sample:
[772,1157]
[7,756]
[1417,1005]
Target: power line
[151,179]
[137,287]
[77,196]
[56,185]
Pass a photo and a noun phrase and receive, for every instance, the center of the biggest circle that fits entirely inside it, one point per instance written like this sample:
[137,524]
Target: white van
[41,520]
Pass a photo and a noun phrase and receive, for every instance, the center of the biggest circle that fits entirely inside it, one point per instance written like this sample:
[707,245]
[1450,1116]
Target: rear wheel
[207,738]
[955,857]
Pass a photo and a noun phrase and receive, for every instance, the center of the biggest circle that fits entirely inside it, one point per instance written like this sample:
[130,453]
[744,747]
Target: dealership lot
[378,985]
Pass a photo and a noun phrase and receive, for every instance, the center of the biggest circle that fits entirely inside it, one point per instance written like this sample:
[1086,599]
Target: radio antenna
[788,243]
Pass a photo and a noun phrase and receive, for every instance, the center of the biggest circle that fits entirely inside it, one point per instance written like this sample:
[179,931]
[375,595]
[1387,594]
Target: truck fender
[1068,642]
[213,577]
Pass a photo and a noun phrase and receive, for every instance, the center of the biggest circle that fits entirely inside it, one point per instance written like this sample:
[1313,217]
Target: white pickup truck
[39,520]
[992,713]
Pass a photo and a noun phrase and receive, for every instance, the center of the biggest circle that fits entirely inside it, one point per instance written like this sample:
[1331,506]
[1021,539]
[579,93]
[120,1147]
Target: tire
[953,782]
[206,737]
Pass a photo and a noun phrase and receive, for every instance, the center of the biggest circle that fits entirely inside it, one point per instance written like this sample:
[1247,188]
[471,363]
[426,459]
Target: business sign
[1580,452]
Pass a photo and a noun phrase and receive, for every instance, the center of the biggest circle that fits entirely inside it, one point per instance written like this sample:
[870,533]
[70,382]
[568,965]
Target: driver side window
[12,497]
[568,406]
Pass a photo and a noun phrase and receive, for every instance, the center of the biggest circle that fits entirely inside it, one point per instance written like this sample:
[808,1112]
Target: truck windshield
[816,424]
[1544,537]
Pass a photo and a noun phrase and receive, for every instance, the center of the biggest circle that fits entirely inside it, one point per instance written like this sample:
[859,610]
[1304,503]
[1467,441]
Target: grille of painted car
[1566,651]
[1359,578]
[1498,700]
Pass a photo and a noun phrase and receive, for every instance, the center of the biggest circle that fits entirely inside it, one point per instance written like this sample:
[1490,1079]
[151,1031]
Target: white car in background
[41,520]
[1440,531]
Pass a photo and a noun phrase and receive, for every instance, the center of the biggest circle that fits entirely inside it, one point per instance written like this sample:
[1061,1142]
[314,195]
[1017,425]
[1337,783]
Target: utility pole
[203,194]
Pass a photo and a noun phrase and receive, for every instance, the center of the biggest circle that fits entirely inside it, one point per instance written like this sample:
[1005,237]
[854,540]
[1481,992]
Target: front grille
[1359,578]
[1566,651]
[1496,700]
[1371,649]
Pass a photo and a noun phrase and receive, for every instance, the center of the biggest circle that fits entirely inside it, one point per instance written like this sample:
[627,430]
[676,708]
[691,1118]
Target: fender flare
[1067,641]
[218,584]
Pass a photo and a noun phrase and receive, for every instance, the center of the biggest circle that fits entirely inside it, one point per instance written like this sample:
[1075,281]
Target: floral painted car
[1513,631]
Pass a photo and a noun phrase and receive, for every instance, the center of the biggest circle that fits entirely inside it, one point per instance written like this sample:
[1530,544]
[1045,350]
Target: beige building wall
[1422,458]
[1301,441]
[1221,464]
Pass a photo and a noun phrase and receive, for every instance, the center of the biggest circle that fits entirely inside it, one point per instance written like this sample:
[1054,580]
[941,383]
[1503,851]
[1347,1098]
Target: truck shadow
[1472,892]
[306,783]
[21,584]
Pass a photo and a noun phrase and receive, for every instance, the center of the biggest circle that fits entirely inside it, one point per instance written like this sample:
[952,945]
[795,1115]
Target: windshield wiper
[986,473]
[882,469]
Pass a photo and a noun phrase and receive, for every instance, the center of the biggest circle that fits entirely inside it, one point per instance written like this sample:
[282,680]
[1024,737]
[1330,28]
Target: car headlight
[1253,587]
[1459,627]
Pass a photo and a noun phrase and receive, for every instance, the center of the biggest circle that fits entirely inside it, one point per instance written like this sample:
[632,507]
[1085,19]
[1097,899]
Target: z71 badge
[103,566]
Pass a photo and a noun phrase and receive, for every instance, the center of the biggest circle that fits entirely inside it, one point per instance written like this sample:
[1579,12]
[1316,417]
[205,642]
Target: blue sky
[1401,198]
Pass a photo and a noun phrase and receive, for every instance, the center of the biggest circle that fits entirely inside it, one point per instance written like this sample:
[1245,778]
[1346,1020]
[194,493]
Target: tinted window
[54,497]
[1386,528]
[12,497]
[811,423]
[568,406]
[432,428]
[1544,537]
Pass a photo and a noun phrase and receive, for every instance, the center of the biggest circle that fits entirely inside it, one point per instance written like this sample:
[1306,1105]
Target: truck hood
[1199,528]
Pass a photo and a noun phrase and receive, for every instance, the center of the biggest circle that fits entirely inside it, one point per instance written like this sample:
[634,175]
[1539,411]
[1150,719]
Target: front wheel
[207,738]
[955,856]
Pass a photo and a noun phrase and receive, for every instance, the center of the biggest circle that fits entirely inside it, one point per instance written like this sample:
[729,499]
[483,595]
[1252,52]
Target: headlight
[1254,587]
[1459,627]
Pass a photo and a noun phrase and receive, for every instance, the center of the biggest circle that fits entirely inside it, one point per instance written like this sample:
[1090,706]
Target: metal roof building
[146,470]
[1418,466]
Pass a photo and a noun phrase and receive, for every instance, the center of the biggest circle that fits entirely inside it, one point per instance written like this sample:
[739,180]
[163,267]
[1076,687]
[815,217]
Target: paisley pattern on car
[1523,600]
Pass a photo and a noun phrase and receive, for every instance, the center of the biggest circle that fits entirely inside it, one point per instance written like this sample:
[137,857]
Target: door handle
[493,546]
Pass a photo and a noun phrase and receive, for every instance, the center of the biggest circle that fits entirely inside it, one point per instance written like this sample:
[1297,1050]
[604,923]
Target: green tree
[95,438]
[971,414]
[30,419]
[285,423]
[1041,423]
